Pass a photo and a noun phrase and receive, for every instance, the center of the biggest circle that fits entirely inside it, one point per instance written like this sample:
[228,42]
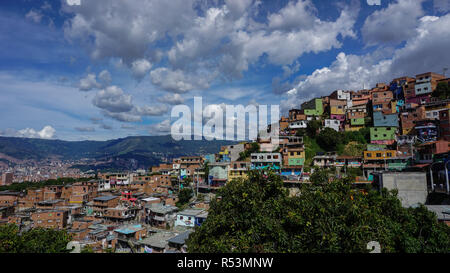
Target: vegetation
[254,148]
[311,149]
[442,91]
[37,240]
[184,196]
[312,128]
[331,140]
[257,215]
[36,185]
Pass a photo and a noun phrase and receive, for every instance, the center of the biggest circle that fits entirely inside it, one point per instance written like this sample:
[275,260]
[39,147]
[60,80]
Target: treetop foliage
[258,215]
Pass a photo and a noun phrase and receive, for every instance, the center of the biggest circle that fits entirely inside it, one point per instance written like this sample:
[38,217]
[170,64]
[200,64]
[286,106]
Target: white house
[333,124]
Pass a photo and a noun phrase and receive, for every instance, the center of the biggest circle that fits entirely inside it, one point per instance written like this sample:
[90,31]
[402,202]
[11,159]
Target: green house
[296,161]
[313,107]
[382,133]
[357,121]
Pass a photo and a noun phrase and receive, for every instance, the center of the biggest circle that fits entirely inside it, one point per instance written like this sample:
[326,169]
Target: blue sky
[109,69]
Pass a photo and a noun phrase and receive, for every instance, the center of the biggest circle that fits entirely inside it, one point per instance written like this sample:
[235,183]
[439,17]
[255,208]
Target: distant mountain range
[123,153]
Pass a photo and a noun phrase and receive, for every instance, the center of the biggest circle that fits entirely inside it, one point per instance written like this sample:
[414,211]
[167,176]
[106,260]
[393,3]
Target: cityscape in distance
[115,134]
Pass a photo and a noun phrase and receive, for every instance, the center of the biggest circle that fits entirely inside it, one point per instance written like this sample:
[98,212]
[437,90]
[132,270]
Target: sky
[106,69]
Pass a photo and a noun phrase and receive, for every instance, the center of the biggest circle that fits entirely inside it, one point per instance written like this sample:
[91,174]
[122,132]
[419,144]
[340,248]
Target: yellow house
[238,169]
[296,156]
[379,155]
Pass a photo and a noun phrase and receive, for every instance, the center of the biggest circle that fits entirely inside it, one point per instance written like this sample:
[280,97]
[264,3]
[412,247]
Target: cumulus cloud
[173,99]
[140,68]
[89,82]
[113,99]
[162,127]
[177,81]
[202,41]
[155,110]
[125,29]
[393,24]
[105,77]
[47,132]
[425,51]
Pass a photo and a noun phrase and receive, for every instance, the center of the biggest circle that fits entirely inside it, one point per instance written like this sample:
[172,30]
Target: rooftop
[105,198]
[191,212]
[180,238]
[158,240]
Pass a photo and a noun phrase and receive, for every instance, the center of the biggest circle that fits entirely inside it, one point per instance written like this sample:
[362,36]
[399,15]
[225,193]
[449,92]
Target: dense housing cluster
[405,147]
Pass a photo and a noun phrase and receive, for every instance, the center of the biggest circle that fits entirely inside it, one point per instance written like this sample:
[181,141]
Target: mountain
[123,153]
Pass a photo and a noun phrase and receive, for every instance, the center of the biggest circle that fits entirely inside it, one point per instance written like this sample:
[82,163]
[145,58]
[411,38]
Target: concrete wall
[411,186]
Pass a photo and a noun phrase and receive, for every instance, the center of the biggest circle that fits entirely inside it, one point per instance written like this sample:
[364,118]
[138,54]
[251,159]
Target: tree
[312,127]
[184,196]
[254,148]
[442,91]
[257,215]
[37,240]
[328,139]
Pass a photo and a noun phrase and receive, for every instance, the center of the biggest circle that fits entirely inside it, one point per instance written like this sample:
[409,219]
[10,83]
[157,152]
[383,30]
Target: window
[389,154]
[181,217]
[378,154]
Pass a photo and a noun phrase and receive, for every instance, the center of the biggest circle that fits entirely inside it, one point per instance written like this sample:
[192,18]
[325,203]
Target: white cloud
[89,82]
[207,40]
[105,77]
[294,16]
[393,24]
[47,132]
[425,51]
[162,127]
[155,110]
[140,68]
[126,29]
[172,99]
[177,81]
[113,100]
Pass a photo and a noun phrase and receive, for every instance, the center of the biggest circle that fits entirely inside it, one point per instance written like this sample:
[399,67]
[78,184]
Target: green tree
[184,196]
[442,91]
[328,139]
[257,215]
[312,127]
[37,240]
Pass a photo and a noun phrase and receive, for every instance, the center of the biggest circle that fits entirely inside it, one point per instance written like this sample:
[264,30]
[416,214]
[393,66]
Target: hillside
[129,152]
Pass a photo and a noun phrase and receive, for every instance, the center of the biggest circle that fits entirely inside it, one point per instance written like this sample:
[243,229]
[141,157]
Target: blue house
[382,120]
[200,218]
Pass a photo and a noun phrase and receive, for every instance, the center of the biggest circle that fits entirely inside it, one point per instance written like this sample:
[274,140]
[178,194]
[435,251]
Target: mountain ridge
[141,151]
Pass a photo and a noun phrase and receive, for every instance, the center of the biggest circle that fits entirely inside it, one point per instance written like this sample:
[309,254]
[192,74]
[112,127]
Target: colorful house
[382,135]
